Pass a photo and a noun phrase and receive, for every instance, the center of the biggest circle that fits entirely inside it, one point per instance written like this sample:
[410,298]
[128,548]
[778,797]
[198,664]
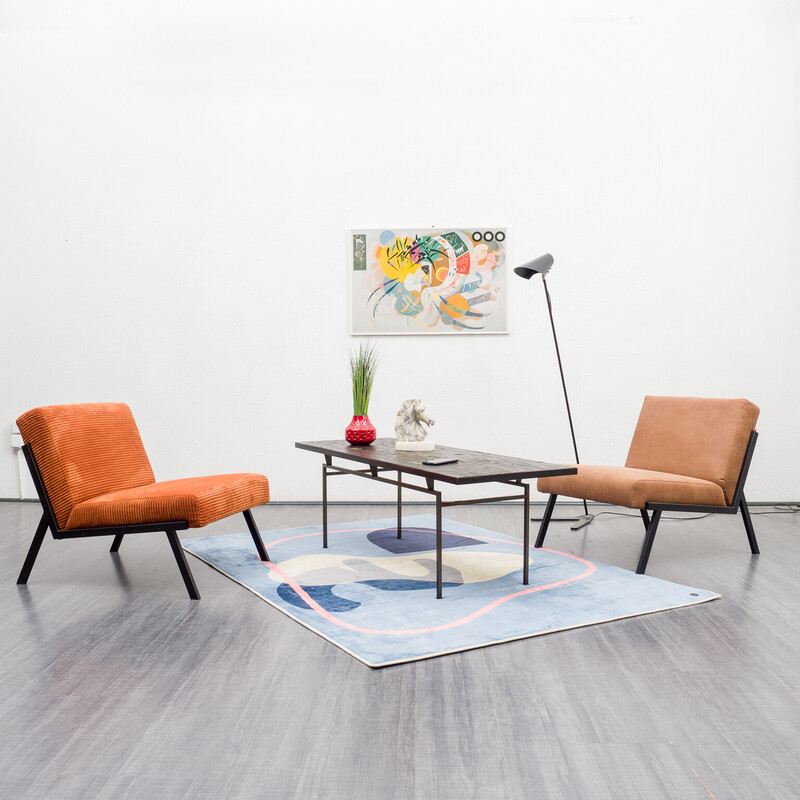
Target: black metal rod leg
[399,506]
[438,545]
[324,505]
[649,538]
[33,551]
[645,518]
[116,543]
[748,526]
[548,512]
[254,532]
[186,573]
[526,536]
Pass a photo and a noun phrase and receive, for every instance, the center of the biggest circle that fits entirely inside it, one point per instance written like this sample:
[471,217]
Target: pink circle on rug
[313,604]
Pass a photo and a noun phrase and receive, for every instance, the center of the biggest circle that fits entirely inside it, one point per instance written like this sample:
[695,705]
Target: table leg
[526,535]
[438,545]
[324,505]
[399,506]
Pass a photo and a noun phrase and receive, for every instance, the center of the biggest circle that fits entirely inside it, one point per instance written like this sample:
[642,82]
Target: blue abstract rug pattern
[374,595]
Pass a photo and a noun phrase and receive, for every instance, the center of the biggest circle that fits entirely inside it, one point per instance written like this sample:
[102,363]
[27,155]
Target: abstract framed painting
[428,281]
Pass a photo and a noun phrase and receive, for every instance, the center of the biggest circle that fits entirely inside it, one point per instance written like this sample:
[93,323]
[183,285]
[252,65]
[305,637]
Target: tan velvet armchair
[687,454]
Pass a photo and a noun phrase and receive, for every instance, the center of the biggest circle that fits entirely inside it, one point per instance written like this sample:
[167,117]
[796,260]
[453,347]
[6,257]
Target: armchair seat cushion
[198,501]
[633,488]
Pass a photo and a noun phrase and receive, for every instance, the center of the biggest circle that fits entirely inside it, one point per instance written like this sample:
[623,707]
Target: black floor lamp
[541,266]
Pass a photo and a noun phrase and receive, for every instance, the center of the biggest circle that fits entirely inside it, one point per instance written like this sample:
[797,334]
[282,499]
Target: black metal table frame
[329,469]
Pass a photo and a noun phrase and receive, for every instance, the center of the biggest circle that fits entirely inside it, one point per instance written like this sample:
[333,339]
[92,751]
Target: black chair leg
[748,526]
[648,541]
[33,551]
[116,543]
[645,518]
[186,573]
[548,512]
[254,532]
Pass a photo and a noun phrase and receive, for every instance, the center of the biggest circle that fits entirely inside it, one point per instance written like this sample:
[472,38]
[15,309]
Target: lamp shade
[540,266]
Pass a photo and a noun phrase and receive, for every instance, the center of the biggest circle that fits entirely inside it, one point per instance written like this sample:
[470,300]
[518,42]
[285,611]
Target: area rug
[374,595]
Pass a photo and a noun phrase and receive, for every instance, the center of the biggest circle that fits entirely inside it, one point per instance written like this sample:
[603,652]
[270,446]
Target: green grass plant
[363,364]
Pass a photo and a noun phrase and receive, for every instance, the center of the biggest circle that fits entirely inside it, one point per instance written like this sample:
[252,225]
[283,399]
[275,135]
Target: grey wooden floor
[114,685]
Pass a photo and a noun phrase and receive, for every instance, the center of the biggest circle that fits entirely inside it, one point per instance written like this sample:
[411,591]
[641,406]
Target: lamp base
[578,522]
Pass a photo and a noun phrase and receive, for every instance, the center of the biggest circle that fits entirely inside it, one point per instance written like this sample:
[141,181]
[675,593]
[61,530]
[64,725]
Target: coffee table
[472,467]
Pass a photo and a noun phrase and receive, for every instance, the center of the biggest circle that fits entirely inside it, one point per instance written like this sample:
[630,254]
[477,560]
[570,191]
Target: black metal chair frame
[651,513]
[48,520]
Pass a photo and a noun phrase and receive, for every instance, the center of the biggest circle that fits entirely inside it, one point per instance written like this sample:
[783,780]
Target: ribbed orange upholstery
[96,472]
[199,501]
[685,450]
[85,450]
[633,488]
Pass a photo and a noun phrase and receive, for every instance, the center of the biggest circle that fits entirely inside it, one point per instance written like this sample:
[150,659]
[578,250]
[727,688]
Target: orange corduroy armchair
[93,478]
[687,454]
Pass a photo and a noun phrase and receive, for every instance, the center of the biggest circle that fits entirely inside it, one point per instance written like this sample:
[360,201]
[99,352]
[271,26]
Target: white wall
[177,180]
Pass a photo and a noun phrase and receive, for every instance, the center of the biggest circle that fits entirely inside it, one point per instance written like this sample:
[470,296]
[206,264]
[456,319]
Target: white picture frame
[428,281]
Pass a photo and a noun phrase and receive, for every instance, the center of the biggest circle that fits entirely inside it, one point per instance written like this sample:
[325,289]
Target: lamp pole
[587,518]
[541,266]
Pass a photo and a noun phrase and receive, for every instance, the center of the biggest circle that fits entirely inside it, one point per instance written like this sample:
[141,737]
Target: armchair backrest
[695,436]
[85,450]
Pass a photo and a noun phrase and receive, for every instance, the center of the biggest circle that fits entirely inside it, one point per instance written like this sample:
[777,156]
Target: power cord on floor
[623,514]
[783,508]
